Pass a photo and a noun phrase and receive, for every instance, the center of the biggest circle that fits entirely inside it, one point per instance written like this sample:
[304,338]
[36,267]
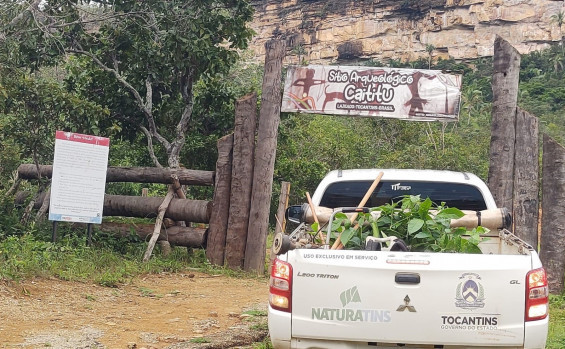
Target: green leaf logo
[348,296]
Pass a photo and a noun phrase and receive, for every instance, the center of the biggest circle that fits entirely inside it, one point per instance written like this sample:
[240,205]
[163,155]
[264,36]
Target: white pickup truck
[331,298]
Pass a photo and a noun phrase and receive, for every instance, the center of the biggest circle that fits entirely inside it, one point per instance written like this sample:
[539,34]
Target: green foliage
[556,333]
[542,89]
[33,108]
[27,251]
[266,344]
[419,223]
[141,60]
[255,312]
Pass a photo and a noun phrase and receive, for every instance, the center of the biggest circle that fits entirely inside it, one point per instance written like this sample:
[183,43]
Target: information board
[79,178]
[417,94]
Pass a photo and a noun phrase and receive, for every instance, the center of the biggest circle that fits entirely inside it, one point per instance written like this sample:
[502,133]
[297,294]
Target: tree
[32,107]
[140,59]
[559,18]
[430,50]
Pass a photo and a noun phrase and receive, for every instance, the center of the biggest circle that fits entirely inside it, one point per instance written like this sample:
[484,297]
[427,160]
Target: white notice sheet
[79,178]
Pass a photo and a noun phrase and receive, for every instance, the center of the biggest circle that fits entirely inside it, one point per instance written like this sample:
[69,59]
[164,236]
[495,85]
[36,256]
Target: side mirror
[294,214]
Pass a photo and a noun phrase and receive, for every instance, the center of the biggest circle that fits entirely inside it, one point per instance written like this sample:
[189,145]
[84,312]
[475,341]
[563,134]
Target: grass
[265,344]
[110,261]
[147,292]
[556,335]
[256,312]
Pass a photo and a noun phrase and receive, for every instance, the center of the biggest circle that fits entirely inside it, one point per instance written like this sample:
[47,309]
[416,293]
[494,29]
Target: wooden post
[552,219]
[281,221]
[177,187]
[283,204]
[89,234]
[505,98]
[220,207]
[241,180]
[265,152]
[526,178]
[54,232]
[320,234]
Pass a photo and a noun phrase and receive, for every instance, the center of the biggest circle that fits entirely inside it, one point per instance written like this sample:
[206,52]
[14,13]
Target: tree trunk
[265,153]
[553,219]
[180,236]
[505,97]
[44,206]
[526,178]
[136,206]
[217,229]
[133,174]
[241,180]
[144,207]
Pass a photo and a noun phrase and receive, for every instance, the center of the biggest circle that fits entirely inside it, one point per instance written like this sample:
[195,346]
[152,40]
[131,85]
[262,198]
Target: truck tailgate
[409,298]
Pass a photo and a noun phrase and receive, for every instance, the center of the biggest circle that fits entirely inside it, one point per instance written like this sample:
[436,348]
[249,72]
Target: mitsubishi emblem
[406,305]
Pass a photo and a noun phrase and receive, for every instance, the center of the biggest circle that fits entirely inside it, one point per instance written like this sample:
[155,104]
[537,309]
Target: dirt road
[155,311]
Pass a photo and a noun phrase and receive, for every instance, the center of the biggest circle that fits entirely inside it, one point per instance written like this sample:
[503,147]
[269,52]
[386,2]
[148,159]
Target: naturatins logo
[351,315]
[470,294]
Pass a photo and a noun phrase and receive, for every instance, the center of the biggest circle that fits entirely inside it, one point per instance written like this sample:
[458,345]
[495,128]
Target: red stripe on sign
[80,138]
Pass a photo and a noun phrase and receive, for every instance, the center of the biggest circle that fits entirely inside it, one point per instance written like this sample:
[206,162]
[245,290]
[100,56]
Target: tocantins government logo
[470,293]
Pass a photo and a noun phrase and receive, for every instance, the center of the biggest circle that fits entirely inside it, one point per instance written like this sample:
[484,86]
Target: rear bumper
[535,334]
[535,337]
[279,328]
[323,344]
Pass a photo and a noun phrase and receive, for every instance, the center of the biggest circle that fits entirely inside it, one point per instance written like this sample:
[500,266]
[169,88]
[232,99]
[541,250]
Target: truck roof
[420,175]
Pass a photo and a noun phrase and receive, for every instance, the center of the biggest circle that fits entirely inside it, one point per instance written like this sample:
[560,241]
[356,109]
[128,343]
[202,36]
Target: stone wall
[330,31]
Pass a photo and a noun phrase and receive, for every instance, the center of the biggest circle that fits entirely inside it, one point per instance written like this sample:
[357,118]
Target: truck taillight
[280,286]
[537,295]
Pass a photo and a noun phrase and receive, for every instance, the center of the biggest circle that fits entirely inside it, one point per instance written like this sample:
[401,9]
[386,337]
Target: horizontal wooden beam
[181,236]
[132,174]
[197,211]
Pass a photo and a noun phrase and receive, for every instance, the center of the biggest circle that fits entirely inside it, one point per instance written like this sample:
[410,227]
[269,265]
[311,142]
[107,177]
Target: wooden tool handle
[337,245]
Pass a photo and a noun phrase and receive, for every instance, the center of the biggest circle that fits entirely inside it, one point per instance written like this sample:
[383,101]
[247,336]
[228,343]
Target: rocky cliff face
[322,31]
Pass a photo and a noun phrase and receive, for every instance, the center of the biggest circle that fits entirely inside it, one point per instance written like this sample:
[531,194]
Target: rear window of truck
[350,194]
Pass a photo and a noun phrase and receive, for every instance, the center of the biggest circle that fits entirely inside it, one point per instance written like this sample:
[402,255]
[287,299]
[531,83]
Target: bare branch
[138,99]
[115,62]
[148,93]
[150,147]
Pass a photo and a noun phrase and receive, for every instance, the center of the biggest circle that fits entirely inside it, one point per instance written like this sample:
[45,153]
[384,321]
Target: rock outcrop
[329,31]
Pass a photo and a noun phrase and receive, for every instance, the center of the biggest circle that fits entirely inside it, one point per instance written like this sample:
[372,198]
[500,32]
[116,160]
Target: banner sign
[79,178]
[414,94]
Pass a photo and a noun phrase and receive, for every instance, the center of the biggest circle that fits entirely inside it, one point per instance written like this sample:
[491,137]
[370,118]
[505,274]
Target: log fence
[242,184]
[514,169]
[237,217]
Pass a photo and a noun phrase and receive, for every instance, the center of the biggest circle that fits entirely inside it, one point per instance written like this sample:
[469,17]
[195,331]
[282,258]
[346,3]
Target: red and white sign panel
[424,95]
[79,178]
